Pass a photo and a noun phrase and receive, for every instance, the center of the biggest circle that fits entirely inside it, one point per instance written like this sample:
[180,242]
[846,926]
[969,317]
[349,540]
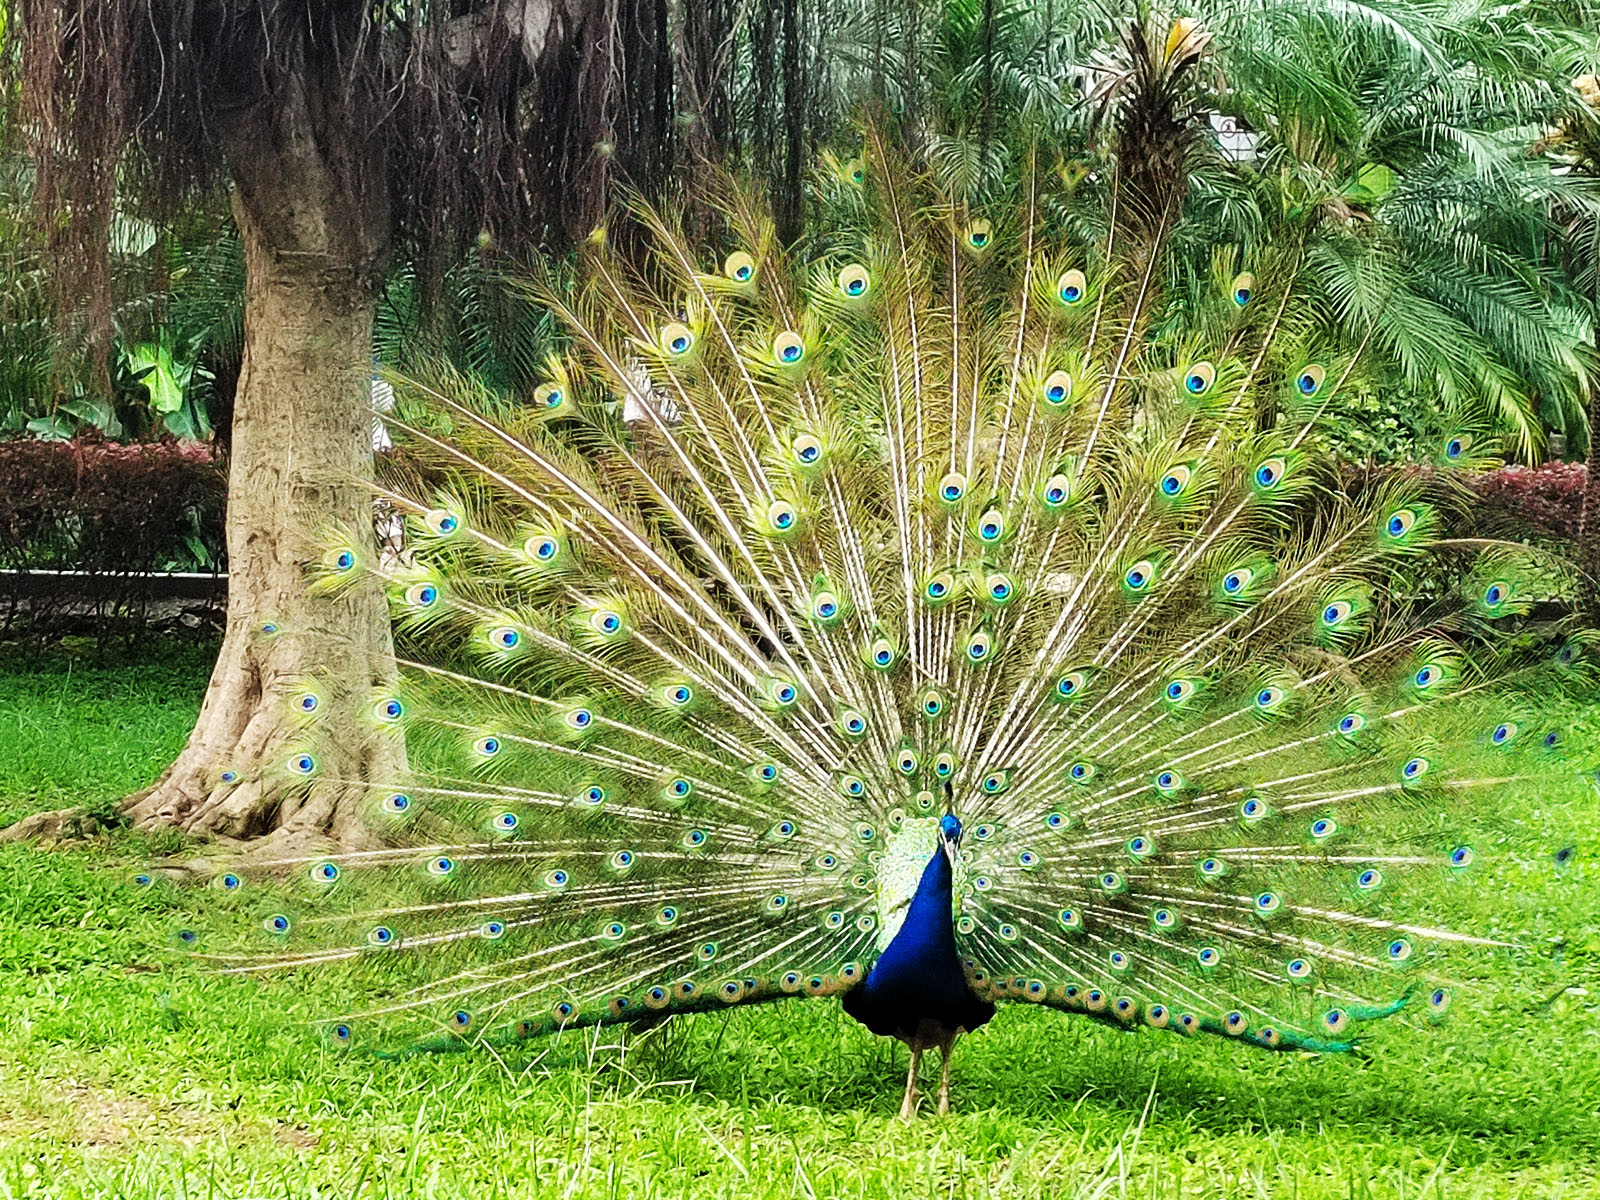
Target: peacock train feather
[926,619]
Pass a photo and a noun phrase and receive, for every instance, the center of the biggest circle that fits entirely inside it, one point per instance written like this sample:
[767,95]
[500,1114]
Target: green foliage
[1397,154]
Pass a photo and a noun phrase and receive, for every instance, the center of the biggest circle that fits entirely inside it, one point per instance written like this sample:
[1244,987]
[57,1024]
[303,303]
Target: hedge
[115,512]
[119,512]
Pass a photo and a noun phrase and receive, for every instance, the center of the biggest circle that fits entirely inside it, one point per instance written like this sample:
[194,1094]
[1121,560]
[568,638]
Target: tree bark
[309,196]
[1588,533]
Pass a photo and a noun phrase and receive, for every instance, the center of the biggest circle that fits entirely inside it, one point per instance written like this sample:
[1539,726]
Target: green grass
[76,733]
[123,1074]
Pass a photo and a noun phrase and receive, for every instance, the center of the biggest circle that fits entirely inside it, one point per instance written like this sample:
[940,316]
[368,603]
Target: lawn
[124,1073]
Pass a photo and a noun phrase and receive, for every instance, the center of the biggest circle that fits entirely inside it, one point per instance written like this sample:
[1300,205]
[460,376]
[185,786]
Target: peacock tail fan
[948,509]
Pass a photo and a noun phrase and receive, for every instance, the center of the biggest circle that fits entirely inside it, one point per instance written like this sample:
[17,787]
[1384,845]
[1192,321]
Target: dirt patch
[87,1115]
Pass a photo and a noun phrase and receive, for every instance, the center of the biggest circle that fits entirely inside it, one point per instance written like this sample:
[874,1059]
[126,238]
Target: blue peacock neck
[917,990]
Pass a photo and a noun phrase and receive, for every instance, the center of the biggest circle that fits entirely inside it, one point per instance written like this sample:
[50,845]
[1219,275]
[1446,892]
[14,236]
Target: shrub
[115,512]
[1532,503]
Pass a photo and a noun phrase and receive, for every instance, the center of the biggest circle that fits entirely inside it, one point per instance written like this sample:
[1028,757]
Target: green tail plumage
[786,547]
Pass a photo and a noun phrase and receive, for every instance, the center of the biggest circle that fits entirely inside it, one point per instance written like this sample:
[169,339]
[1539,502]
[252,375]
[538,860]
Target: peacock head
[950,835]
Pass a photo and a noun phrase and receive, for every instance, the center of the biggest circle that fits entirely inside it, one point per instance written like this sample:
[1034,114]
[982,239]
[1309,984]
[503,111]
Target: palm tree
[1388,140]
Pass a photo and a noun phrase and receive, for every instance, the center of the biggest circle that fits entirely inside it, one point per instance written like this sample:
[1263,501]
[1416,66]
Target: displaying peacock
[964,612]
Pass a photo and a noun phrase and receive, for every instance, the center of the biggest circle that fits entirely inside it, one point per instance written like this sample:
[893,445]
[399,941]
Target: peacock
[961,607]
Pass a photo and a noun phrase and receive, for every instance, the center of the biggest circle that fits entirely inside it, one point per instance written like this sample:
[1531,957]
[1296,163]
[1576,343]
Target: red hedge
[1541,503]
[109,509]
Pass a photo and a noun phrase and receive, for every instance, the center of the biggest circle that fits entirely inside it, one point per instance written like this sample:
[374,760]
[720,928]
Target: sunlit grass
[124,1074]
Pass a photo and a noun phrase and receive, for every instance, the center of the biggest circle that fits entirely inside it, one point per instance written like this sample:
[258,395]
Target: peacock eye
[1270,473]
[855,281]
[1072,287]
[1057,389]
[788,348]
[677,338]
[1070,684]
[1174,481]
[1198,379]
[1243,288]
[1309,381]
[781,515]
[739,267]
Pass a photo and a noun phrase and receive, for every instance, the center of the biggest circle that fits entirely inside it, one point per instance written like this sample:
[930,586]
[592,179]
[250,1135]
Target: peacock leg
[944,1077]
[908,1106]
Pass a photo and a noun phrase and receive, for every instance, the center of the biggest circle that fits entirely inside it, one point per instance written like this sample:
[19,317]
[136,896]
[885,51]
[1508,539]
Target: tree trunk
[308,197]
[1588,533]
